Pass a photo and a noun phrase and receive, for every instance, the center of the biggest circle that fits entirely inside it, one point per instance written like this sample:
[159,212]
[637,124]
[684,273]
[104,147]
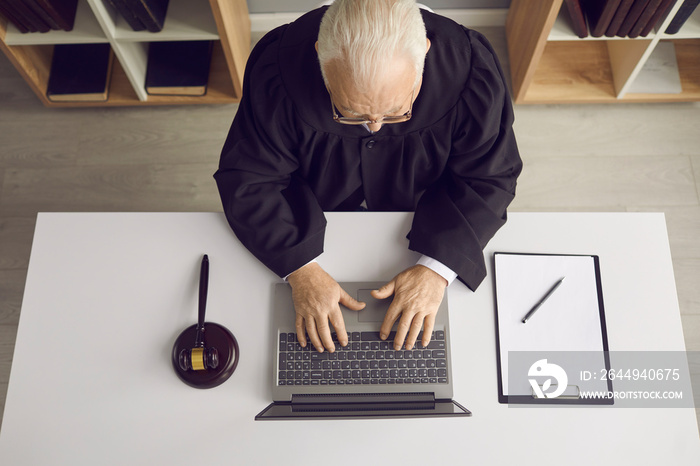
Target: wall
[280,6]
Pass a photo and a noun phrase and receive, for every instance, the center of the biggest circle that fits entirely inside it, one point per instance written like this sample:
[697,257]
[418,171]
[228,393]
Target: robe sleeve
[271,210]
[457,216]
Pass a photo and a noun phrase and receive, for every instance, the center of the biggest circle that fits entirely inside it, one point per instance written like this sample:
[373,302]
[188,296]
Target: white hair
[367,34]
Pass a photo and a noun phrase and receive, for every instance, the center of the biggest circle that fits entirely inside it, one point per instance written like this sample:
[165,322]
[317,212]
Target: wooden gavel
[200,358]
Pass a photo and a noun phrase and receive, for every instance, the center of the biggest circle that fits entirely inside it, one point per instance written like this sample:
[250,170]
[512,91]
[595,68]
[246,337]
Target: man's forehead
[385,95]
[374,103]
[364,76]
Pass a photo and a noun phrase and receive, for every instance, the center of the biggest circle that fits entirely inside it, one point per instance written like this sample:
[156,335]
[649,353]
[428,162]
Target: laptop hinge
[362,401]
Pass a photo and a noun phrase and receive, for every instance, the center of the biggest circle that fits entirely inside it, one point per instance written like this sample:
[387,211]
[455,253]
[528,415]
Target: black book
[618,18]
[9,12]
[62,12]
[128,15]
[632,17]
[80,72]
[660,14]
[682,16]
[178,68]
[29,17]
[644,18]
[150,12]
[41,13]
[599,14]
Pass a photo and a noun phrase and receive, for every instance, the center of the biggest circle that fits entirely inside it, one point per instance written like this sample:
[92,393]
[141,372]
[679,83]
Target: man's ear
[316,45]
[426,48]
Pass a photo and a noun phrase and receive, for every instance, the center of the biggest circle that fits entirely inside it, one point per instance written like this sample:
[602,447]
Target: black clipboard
[565,340]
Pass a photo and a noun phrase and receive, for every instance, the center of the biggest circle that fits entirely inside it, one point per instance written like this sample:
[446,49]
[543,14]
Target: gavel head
[205,364]
[199,359]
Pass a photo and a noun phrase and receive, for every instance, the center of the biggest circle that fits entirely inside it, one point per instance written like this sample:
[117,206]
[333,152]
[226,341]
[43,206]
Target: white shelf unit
[558,66]
[224,21]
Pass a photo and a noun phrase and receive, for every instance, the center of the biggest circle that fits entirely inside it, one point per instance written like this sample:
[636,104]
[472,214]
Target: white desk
[107,294]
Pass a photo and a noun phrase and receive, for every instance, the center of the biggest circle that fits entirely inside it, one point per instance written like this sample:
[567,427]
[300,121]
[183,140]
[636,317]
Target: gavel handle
[203,290]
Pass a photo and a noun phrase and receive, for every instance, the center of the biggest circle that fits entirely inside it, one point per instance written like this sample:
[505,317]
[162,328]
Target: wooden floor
[577,158]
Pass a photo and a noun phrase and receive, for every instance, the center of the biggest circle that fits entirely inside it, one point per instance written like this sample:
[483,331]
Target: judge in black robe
[454,163]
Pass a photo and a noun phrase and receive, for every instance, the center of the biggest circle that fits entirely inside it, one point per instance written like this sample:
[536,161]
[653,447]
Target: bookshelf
[550,64]
[224,21]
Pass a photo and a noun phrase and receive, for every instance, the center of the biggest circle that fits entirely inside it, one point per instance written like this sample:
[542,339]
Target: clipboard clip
[571,392]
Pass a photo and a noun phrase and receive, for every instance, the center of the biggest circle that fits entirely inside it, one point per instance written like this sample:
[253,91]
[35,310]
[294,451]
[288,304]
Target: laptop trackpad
[375,309]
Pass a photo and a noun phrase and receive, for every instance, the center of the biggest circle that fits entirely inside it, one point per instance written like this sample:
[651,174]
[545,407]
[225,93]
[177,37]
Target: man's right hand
[316,298]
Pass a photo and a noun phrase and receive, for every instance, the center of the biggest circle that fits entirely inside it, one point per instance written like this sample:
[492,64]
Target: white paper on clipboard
[570,320]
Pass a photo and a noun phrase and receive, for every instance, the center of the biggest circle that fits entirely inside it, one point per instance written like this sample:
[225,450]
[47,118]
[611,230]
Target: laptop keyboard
[365,360]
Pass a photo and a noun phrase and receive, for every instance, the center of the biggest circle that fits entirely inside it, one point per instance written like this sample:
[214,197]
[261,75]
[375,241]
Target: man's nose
[375,126]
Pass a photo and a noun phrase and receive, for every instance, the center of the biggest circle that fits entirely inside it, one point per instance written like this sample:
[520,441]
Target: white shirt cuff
[285,278]
[438,267]
[434,265]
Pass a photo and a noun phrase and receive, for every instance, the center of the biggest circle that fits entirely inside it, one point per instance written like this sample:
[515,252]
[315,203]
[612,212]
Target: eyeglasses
[361,121]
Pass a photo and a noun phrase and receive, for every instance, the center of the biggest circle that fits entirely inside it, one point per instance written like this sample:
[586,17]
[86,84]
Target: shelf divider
[527,28]
[627,59]
[233,23]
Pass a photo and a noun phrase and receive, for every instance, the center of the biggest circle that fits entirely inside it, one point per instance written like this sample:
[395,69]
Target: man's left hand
[417,292]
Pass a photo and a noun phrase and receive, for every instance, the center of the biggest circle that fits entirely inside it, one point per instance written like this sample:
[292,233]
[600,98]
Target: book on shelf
[40,15]
[151,13]
[80,73]
[644,18]
[599,14]
[632,17]
[61,11]
[618,17]
[178,68]
[30,19]
[578,20]
[658,16]
[682,15]
[9,13]
[129,16]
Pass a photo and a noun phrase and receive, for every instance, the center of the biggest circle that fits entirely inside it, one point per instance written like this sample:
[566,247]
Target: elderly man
[370,104]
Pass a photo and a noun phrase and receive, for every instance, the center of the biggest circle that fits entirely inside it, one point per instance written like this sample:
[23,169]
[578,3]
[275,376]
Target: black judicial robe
[455,163]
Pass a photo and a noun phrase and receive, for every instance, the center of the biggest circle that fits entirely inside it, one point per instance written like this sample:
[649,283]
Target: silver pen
[545,298]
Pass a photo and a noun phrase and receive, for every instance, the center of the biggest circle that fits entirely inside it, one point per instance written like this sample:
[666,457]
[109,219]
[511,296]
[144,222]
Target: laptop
[365,379]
